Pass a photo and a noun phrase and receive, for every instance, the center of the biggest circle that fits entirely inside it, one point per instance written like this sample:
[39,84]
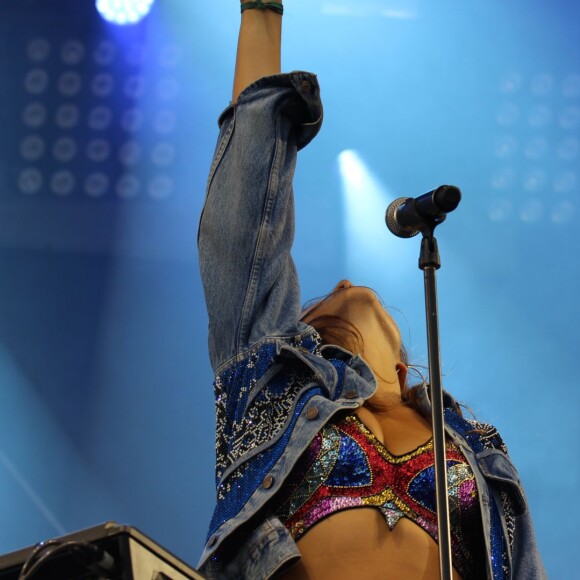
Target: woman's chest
[400,430]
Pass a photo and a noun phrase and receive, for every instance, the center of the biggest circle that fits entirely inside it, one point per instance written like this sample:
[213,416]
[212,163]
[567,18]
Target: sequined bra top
[346,466]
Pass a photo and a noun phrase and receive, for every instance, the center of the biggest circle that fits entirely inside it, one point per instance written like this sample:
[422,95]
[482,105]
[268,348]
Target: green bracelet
[261,5]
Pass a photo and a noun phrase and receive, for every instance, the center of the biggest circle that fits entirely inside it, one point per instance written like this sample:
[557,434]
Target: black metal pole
[406,217]
[429,262]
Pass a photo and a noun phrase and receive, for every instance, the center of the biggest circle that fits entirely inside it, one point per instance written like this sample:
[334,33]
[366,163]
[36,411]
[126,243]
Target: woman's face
[381,345]
[361,307]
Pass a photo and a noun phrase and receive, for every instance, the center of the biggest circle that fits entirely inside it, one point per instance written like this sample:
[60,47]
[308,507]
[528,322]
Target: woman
[324,455]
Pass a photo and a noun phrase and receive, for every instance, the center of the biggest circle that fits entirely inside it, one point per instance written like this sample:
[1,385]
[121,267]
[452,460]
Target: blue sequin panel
[480,437]
[246,419]
[350,455]
[243,482]
[422,486]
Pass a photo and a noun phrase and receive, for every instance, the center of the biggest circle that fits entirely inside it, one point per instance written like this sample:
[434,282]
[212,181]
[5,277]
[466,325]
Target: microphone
[405,216]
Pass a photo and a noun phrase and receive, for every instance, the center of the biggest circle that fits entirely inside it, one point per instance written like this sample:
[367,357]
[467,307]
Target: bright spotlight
[365,201]
[367,239]
[124,11]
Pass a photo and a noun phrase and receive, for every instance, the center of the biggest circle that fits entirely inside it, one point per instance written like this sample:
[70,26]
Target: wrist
[262,5]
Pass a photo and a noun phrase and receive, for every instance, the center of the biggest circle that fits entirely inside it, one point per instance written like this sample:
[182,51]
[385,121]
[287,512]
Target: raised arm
[250,282]
[258,46]
[247,225]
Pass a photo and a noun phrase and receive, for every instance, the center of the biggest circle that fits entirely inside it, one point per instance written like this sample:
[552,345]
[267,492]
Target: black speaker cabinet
[106,552]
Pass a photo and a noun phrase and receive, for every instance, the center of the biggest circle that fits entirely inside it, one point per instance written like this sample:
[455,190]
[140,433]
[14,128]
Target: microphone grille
[391,221]
[447,197]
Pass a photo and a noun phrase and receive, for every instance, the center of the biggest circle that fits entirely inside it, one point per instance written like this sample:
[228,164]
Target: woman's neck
[386,400]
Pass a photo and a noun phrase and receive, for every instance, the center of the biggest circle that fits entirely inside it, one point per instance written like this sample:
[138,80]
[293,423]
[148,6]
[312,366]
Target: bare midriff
[357,543]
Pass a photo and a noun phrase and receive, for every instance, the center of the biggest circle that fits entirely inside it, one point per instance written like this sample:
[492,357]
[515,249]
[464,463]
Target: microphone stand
[406,217]
[430,262]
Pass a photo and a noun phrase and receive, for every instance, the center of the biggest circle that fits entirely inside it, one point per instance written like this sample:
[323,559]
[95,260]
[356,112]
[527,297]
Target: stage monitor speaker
[106,552]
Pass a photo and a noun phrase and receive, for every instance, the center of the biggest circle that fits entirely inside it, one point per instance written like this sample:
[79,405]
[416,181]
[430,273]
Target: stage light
[96,184]
[537,155]
[365,200]
[63,182]
[30,181]
[124,11]
[563,213]
[113,116]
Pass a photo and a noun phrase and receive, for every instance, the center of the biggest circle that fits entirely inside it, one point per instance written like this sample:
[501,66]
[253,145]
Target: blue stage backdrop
[106,404]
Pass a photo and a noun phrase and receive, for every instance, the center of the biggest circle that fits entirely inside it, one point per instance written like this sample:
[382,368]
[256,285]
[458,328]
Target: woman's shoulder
[488,434]
[480,435]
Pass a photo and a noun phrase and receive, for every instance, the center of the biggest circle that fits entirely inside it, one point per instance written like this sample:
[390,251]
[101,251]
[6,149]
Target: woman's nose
[343,284]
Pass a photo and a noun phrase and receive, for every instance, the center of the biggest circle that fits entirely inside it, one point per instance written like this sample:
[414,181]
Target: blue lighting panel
[124,11]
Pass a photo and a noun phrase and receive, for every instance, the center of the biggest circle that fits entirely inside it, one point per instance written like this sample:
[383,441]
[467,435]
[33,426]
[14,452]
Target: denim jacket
[275,386]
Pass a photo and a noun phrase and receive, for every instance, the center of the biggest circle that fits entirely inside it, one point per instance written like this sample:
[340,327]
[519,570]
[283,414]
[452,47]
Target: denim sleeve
[247,225]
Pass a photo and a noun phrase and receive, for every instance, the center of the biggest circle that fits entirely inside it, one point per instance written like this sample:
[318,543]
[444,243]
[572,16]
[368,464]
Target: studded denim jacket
[275,387]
